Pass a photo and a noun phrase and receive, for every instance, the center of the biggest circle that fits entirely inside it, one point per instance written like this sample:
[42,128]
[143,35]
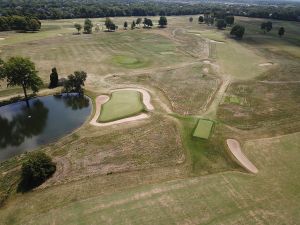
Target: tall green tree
[229,20]
[88,26]
[132,25]
[53,78]
[281,31]
[78,27]
[238,31]
[163,22]
[20,71]
[201,19]
[147,23]
[75,82]
[266,26]
[221,24]
[138,21]
[109,24]
[125,25]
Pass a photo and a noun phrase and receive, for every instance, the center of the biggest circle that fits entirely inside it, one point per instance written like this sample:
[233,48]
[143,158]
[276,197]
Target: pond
[47,119]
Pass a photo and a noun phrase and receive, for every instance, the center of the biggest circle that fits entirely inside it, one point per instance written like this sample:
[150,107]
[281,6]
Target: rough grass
[271,196]
[203,129]
[188,89]
[268,105]
[123,103]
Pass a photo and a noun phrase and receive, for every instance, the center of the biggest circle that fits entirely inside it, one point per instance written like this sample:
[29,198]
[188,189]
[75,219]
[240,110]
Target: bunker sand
[235,149]
[100,100]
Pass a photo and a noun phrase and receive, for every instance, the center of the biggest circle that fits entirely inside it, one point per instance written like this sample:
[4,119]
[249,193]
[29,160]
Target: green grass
[124,103]
[130,62]
[203,129]
[238,61]
[212,34]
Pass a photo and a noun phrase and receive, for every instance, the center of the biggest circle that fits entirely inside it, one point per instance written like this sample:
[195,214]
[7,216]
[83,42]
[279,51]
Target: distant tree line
[19,23]
[56,9]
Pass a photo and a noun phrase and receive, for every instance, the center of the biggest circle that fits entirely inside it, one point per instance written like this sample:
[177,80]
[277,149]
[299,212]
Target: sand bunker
[100,100]
[266,64]
[235,148]
[2,39]
[213,41]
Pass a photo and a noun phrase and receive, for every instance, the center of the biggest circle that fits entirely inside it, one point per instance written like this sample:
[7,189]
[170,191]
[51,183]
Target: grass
[154,171]
[129,62]
[203,129]
[186,88]
[123,104]
[228,198]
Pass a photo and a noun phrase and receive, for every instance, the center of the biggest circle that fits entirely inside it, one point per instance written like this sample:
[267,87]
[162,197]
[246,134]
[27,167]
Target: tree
[191,19]
[33,24]
[125,25]
[147,23]
[78,27]
[75,82]
[238,31]
[266,26]
[163,22]
[201,19]
[53,78]
[221,24]
[109,24]
[281,31]
[138,21]
[36,170]
[88,26]
[21,72]
[229,20]
[132,25]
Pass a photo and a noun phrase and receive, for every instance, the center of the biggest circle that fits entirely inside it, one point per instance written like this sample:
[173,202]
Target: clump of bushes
[36,170]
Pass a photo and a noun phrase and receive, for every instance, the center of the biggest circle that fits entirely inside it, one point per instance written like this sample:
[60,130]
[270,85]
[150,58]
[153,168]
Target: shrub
[36,170]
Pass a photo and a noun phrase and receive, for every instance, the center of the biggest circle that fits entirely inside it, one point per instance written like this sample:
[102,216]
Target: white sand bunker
[235,148]
[266,64]
[213,41]
[100,100]
[2,39]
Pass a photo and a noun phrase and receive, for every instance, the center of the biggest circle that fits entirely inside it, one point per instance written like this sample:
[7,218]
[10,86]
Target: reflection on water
[48,118]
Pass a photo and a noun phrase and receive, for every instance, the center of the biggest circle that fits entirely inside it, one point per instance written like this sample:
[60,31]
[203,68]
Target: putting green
[203,129]
[122,104]
[129,62]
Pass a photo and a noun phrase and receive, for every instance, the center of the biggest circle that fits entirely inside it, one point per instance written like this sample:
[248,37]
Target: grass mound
[122,104]
[129,62]
[203,129]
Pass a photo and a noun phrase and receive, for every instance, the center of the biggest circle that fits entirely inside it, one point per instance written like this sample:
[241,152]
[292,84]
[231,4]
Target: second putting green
[122,104]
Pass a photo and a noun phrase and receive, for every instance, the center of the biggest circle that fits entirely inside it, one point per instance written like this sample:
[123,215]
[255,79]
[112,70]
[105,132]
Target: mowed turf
[270,197]
[122,104]
[203,129]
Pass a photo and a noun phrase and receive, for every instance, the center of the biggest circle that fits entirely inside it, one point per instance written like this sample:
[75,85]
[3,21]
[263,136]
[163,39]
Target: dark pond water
[47,119]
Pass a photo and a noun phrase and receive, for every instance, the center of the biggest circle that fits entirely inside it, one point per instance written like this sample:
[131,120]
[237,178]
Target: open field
[231,198]
[203,129]
[154,171]
[122,104]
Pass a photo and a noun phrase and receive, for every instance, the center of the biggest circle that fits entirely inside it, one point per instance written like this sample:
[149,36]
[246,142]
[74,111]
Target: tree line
[19,23]
[111,26]
[56,9]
